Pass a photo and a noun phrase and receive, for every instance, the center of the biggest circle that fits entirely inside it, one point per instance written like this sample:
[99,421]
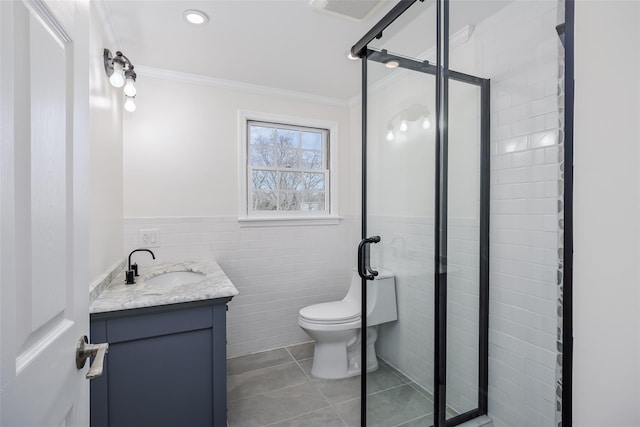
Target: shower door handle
[364,269]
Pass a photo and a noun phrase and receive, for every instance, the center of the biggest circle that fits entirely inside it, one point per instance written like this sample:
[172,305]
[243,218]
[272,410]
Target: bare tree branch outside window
[288,167]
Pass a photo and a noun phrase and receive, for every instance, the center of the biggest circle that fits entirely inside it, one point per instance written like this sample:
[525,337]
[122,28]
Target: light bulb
[403,126]
[392,64]
[390,135]
[117,78]
[129,104]
[426,123]
[129,88]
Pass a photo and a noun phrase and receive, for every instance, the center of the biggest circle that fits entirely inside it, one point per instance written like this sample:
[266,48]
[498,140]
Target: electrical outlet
[149,238]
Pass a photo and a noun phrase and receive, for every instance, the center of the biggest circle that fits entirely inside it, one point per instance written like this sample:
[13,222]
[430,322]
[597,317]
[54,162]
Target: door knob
[85,351]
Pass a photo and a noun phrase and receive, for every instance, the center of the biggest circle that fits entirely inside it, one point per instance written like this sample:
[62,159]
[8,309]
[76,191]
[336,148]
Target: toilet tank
[381,298]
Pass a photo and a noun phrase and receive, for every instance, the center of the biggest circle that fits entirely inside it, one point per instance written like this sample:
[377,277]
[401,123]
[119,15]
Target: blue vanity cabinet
[166,366]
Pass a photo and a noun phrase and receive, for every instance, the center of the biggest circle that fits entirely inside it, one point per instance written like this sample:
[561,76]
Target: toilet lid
[334,312]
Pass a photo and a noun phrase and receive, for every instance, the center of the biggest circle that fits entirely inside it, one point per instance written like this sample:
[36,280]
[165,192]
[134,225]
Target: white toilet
[336,326]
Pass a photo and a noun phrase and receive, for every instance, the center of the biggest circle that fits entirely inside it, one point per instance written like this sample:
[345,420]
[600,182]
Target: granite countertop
[118,296]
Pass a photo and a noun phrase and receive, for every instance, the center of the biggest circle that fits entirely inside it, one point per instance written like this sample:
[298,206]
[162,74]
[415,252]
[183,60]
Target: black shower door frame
[443,76]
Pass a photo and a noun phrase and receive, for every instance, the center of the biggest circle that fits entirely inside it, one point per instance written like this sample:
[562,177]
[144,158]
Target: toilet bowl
[336,326]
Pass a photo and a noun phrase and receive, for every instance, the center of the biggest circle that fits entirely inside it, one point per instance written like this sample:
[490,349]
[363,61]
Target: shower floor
[276,388]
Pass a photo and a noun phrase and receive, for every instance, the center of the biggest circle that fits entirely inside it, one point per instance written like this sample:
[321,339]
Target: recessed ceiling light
[392,64]
[196,17]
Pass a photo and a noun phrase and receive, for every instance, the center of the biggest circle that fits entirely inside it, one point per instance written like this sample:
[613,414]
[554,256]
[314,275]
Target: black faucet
[132,269]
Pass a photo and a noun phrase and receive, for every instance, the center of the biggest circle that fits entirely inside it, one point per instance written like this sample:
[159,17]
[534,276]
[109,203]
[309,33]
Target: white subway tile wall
[463,313]
[518,49]
[277,270]
[407,251]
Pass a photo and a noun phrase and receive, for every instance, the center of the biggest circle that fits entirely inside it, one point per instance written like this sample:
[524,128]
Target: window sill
[279,221]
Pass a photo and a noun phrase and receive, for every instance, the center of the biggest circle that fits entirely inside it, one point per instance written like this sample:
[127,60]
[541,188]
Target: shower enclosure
[462,200]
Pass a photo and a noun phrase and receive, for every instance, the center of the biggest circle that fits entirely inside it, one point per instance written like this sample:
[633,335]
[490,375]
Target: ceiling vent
[355,10]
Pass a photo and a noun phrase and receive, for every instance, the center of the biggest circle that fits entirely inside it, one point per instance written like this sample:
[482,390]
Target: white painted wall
[181,146]
[181,176]
[106,156]
[606,380]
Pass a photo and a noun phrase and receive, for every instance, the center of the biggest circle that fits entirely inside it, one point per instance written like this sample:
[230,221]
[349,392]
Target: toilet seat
[331,313]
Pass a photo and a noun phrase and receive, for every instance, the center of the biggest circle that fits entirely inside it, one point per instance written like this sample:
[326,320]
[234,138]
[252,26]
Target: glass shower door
[425,221]
[467,235]
[400,180]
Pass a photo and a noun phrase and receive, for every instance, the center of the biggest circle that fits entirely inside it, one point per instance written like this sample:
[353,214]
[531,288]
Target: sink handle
[85,351]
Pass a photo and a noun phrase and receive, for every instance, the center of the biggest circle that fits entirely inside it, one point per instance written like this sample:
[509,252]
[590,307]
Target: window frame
[250,218]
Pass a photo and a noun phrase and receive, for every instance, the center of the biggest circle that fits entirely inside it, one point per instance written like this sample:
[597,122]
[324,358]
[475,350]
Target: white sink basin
[175,278]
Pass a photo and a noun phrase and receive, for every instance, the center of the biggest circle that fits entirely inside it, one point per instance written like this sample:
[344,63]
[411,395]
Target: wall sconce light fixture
[120,71]
[390,135]
[412,113]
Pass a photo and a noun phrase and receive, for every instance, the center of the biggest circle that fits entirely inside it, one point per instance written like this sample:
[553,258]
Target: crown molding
[42,11]
[456,39]
[199,79]
[355,99]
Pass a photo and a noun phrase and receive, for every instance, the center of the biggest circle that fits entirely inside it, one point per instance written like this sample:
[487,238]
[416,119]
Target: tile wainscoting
[277,270]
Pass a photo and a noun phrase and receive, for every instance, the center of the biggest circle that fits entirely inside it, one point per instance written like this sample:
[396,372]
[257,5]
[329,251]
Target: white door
[44,179]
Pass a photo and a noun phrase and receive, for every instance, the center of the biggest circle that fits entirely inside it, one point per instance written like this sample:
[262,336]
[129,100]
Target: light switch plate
[149,238]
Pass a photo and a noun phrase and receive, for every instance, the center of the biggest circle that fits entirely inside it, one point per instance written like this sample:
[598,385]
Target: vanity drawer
[147,325]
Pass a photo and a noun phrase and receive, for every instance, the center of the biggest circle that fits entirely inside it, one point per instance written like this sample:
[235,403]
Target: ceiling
[283,44]
[275,43]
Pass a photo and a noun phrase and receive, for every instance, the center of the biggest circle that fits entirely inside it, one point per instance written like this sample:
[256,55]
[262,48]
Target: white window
[288,169]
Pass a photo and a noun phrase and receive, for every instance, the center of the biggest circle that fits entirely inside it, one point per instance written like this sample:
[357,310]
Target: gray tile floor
[276,388]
